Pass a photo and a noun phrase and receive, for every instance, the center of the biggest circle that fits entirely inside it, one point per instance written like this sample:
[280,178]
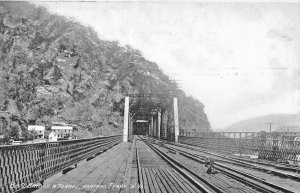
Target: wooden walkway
[107,172]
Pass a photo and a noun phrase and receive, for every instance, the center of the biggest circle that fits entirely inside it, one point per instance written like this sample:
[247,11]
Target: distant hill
[281,122]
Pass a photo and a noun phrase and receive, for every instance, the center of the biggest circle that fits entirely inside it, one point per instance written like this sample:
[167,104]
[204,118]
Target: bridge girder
[145,106]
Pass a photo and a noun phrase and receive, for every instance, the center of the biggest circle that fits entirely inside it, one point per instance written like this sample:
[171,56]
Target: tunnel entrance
[140,128]
[151,114]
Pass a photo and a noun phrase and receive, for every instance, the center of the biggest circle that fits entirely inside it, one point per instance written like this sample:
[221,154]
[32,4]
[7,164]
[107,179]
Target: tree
[14,131]
[29,135]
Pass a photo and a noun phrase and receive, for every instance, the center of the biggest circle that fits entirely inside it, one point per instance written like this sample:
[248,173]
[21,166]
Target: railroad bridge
[153,156]
[155,114]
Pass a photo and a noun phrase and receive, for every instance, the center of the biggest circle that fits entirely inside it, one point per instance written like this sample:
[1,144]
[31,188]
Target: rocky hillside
[55,69]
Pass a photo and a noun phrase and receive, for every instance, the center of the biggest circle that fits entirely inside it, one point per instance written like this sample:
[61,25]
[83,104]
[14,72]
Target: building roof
[36,127]
[61,128]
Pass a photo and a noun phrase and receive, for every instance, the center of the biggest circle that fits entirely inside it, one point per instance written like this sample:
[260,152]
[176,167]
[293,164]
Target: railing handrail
[91,138]
[34,162]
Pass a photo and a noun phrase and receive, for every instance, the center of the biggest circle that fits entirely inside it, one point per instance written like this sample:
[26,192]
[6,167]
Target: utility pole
[270,126]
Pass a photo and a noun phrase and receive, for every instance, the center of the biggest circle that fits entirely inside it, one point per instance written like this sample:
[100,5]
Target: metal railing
[21,165]
[277,149]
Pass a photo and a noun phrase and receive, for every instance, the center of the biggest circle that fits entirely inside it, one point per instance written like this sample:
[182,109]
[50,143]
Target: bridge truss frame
[151,108]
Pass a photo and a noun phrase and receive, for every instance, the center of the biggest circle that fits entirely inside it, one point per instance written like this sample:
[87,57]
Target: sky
[241,60]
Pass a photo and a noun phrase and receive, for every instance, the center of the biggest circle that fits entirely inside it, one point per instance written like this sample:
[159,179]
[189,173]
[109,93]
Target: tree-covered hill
[279,122]
[55,69]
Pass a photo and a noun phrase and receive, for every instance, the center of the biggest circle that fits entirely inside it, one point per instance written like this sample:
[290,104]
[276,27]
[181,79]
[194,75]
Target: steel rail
[230,172]
[205,188]
[142,190]
[282,167]
[244,162]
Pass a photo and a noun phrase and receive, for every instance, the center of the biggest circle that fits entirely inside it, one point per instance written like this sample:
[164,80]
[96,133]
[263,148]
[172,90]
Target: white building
[53,136]
[40,130]
[62,131]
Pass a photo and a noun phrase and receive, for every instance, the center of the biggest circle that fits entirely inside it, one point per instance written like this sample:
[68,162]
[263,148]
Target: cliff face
[55,69]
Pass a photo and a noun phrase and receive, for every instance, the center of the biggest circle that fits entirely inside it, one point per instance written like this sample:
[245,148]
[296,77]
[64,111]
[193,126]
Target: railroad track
[271,168]
[237,182]
[158,173]
[280,166]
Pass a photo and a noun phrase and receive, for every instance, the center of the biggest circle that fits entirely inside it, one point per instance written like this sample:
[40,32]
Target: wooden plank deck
[105,173]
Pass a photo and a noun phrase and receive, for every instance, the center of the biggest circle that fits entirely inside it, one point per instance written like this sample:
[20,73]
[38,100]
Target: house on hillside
[40,131]
[63,132]
[53,136]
